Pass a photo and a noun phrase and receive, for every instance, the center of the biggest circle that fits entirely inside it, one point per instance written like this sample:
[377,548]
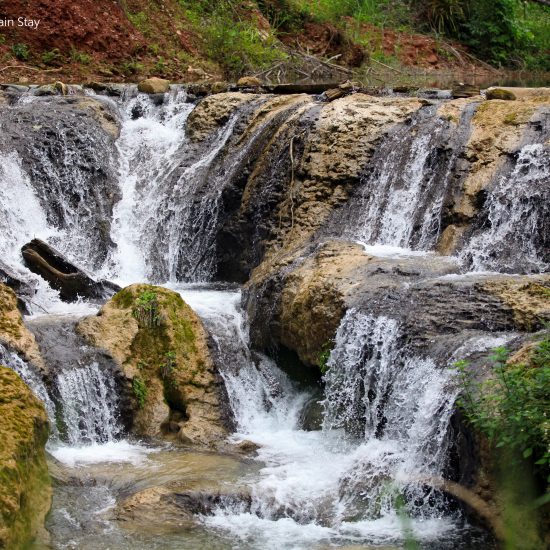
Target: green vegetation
[509,33]
[511,408]
[51,57]
[324,356]
[80,57]
[234,41]
[146,310]
[21,51]
[140,390]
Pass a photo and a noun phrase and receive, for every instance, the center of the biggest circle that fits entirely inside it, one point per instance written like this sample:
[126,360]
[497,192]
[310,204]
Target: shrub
[140,391]
[21,51]
[51,57]
[146,310]
[512,407]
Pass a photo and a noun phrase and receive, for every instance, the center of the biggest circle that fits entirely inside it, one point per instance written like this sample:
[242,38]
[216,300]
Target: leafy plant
[80,57]
[140,390]
[324,356]
[51,57]
[511,408]
[167,368]
[146,310]
[21,51]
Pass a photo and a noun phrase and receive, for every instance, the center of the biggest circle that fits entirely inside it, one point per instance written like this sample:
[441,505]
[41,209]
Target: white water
[516,210]
[314,486]
[32,378]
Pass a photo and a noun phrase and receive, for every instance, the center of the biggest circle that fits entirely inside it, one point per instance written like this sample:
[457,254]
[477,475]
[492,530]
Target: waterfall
[252,380]
[89,401]
[515,235]
[30,376]
[83,401]
[402,193]
[400,405]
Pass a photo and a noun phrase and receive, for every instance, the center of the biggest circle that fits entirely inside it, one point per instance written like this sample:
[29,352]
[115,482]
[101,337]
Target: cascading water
[400,201]
[386,413]
[89,400]
[401,406]
[34,381]
[515,234]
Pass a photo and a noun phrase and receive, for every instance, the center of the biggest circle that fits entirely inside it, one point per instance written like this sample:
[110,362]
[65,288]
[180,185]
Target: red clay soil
[90,26]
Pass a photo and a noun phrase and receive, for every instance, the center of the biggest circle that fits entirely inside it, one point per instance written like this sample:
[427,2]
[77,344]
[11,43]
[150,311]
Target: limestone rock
[25,491]
[249,82]
[214,111]
[154,85]
[13,333]
[161,345]
[500,93]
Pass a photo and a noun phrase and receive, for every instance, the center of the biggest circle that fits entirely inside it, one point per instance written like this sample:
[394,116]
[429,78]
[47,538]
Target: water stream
[358,481]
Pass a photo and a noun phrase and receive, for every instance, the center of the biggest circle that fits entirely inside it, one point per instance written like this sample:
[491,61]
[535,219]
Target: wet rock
[13,332]
[25,492]
[306,295]
[24,289]
[465,90]
[500,93]
[162,347]
[69,280]
[154,85]
[107,88]
[249,82]
[214,111]
[247,447]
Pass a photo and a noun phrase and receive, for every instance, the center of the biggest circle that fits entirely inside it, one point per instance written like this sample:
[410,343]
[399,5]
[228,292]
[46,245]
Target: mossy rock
[13,332]
[161,345]
[500,93]
[25,491]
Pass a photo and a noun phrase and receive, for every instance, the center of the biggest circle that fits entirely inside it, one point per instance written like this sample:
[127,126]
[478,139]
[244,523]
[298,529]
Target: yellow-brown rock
[161,345]
[154,85]
[25,492]
[13,333]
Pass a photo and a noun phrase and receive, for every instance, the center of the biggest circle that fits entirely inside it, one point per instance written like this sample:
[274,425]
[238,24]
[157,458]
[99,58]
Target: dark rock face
[67,147]
[71,281]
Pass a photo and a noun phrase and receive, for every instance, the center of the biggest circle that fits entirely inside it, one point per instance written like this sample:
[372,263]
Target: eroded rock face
[162,348]
[13,333]
[25,491]
[306,294]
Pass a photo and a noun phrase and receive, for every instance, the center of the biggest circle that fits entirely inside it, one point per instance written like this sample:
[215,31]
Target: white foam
[112,451]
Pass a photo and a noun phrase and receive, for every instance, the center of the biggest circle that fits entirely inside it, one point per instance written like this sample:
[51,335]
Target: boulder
[25,490]
[69,280]
[500,93]
[161,346]
[249,82]
[154,85]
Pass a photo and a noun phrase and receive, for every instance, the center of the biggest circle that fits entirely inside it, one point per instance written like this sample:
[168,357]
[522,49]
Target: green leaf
[528,452]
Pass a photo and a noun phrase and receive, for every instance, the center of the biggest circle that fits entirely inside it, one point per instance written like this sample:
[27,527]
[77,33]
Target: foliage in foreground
[511,408]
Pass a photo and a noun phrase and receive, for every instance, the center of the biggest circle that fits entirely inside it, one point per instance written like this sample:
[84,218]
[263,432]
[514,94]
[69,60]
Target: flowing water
[366,477]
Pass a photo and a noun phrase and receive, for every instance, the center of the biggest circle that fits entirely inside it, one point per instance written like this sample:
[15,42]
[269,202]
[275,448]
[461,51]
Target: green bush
[51,57]
[512,407]
[140,391]
[21,51]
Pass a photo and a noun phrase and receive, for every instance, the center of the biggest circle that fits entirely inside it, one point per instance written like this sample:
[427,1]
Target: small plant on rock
[140,391]
[146,310]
